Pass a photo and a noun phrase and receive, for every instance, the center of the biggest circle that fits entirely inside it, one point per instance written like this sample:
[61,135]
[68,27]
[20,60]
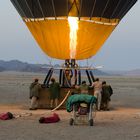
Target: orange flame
[73,23]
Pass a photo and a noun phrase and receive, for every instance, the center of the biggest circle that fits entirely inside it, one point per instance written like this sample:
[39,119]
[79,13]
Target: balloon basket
[68,76]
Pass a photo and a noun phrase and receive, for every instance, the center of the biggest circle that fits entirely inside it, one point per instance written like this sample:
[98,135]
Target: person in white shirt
[97,92]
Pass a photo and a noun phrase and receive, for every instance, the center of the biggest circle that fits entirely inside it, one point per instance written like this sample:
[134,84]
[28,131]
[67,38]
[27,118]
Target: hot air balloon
[48,22]
[72,29]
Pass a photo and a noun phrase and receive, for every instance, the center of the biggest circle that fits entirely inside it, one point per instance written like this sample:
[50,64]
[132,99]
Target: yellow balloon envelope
[47,20]
[53,36]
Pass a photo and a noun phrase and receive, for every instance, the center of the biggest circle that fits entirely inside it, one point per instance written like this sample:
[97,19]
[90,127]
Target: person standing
[34,94]
[97,92]
[84,88]
[68,77]
[106,94]
[54,89]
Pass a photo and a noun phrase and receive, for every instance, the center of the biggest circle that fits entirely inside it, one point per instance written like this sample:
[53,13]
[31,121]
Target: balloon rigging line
[105,8]
[122,8]
[115,9]
[41,8]
[93,9]
[54,10]
[29,8]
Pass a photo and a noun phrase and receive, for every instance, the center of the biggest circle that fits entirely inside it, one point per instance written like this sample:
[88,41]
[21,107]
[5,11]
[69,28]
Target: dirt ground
[122,122]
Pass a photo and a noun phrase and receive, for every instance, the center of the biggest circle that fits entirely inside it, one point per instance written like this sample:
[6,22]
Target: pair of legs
[34,103]
[54,102]
[106,105]
[97,94]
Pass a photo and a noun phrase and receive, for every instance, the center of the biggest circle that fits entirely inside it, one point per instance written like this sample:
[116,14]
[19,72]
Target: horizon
[101,69]
[120,51]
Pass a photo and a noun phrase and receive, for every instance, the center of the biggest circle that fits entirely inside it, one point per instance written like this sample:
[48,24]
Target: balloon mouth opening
[96,20]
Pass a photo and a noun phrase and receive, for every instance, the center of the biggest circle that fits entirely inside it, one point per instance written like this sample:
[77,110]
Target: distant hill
[1,69]
[100,73]
[115,73]
[125,73]
[16,65]
[133,72]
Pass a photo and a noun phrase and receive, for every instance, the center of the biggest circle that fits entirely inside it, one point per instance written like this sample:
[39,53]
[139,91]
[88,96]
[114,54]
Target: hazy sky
[120,52]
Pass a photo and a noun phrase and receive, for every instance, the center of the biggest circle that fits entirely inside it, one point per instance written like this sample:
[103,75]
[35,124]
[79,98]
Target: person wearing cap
[106,94]
[54,89]
[97,92]
[84,88]
[68,77]
[34,94]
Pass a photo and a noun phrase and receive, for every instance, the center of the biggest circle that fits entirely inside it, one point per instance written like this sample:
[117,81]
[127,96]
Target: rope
[41,9]
[19,9]
[29,8]
[93,9]
[68,93]
[122,9]
[105,8]
[115,9]
[62,101]
[54,10]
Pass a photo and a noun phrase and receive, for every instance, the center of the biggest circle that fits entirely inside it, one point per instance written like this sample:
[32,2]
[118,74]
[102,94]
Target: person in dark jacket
[84,88]
[34,94]
[54,92]
[106,94]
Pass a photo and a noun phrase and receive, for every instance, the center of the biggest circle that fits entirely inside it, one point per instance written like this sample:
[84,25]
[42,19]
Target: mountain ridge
[16,65]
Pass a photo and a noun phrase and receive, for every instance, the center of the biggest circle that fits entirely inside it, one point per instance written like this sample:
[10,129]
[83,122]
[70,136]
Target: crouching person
[106,95]
[34,94]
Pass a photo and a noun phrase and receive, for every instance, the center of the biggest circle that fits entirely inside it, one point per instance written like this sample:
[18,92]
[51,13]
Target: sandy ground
[121,123]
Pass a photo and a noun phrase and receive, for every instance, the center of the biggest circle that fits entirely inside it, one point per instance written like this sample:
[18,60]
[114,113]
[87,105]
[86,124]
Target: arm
[111,90]
[90,87]
[71,74]
[77,87]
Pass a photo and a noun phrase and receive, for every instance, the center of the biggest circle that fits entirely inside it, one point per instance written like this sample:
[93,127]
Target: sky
[120,52]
